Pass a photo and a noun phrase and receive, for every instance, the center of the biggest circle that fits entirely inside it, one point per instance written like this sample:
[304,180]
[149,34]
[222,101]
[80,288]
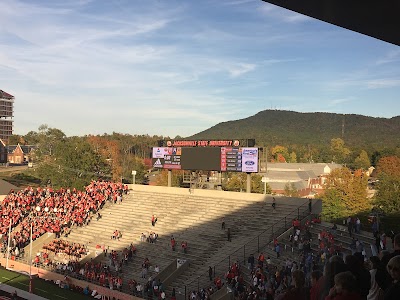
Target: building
[3,152]
[307,178]
[6,115]
[19,154]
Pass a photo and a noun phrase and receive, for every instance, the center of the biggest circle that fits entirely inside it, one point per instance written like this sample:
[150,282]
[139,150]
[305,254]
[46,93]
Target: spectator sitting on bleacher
[60,209]
[316,220]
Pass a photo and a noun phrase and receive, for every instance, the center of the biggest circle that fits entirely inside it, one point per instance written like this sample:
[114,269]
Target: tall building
[6,115]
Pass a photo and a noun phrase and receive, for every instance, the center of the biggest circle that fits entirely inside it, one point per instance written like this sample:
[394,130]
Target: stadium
[118,241]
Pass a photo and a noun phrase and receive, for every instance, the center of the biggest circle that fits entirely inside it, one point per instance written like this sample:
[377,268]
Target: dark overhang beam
[376,18]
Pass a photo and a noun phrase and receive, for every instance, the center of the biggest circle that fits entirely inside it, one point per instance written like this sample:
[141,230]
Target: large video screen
[225,159]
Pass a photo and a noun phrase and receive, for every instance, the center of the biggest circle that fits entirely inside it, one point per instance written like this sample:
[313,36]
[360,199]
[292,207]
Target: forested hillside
[275,127]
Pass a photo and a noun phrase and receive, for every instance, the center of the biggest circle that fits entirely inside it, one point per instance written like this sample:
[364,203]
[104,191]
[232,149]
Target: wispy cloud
[390,57]
[181,66]
[335,102]
[238,2]
[383,83]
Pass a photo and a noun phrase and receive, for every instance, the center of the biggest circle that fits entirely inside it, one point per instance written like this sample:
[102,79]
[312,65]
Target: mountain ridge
[273,127]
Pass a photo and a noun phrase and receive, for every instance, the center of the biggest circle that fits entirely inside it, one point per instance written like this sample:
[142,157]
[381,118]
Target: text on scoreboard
[225,159]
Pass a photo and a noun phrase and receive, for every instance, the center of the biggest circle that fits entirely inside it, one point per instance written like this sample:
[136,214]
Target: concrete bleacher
[195,218]
[342,236]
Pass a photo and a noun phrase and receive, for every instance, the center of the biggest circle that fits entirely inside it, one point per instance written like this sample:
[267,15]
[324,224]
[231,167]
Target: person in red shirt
[261,259]
[173,243]
[218,282]
[317,281]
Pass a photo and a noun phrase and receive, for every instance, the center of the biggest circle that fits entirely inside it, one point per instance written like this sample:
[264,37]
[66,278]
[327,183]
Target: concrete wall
[252,197]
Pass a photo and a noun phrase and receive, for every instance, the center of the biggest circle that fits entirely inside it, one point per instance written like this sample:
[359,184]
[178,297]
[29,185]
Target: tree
[388,186]
[389,165]
[237,182]
[293,157]
[176,180]
[16,139]
[47,140]
[73,163]
[339,151]
[290,190]
[362,161]
[333,207]
[110,151]
[347,188]
[280,153]
[257,186]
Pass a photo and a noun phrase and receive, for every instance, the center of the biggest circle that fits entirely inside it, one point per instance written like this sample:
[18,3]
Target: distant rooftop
[4,95]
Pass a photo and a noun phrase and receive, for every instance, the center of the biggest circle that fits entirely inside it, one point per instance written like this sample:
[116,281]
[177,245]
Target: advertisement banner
[160,152]
[250,160]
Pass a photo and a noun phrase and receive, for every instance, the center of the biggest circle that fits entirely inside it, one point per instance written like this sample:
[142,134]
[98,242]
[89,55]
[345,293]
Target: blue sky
[179,67]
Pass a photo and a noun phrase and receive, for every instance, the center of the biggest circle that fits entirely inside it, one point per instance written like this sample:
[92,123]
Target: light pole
[8,243]
[30,250]
[134,176]
[264,180]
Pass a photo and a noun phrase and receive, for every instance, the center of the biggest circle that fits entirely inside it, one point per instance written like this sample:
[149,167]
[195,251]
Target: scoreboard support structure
[169,178]
[248,183]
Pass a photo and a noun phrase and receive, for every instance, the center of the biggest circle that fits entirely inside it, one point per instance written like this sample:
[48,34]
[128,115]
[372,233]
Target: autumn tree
[280,153]
[109,151]
[387,196]
[176,180]
[293,157]
[345,193]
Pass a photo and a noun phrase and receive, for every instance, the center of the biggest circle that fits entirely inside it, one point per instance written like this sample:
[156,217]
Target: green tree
[257,186]
[362,161]
[73,163]
[339,151]
[333,207]
[235,182]
[47,140]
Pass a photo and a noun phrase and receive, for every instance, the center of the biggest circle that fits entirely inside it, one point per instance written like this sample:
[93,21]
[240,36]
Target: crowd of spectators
[327,272]
[54,211]
[74,251]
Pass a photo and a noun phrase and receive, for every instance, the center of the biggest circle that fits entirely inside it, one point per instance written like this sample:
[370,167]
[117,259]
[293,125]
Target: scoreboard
[225,159]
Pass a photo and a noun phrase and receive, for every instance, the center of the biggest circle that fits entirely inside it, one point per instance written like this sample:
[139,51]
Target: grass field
[40,286]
